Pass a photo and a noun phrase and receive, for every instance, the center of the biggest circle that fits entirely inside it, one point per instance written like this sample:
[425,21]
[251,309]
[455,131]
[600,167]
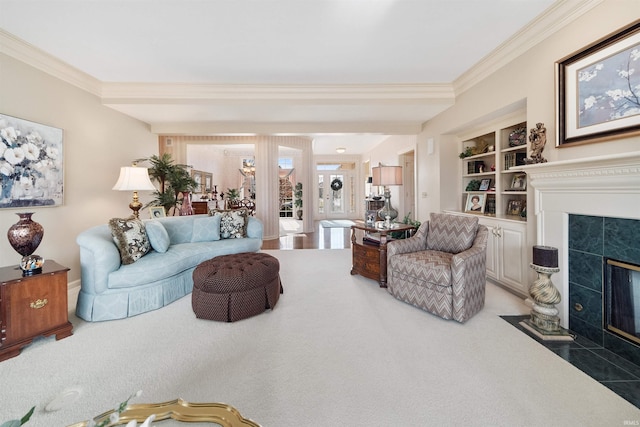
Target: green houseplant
[233,197]
[173,178]
[298,199]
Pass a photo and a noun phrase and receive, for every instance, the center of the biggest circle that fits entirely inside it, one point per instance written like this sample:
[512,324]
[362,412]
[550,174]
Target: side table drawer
[36,305]
[366,261]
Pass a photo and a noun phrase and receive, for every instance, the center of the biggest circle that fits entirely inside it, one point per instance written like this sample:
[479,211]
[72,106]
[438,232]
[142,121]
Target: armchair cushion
[451,233]
[427,266]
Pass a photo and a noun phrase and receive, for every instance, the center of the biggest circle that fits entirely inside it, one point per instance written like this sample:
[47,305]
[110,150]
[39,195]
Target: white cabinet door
[506,253]
[512,245]
[492,259]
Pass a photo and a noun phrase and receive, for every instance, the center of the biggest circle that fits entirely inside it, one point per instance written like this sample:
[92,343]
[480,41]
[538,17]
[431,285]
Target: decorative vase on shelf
[25,237]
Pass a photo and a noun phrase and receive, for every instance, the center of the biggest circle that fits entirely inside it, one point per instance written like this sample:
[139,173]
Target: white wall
[528,81]
[97,142]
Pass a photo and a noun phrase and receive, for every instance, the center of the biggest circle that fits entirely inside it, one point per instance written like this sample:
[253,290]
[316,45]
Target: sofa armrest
[416,243]
[469,275]
[99,256]
[255,228]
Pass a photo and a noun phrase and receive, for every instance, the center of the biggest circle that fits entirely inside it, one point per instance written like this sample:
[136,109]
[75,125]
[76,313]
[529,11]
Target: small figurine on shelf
[538,139]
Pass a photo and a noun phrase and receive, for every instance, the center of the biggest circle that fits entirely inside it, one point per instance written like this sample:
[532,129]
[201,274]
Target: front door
[332,195]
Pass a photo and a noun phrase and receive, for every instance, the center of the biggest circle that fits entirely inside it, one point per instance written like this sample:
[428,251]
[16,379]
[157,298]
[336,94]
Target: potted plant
[174,180]
[298,199]
[233,197]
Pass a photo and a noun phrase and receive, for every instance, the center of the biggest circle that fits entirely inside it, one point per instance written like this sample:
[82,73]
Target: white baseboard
[73,289]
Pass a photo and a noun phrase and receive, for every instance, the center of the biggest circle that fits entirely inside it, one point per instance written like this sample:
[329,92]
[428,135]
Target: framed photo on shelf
[515,207]
[485,184]
[519,182]
[595,96]
[475,203]
[157,212]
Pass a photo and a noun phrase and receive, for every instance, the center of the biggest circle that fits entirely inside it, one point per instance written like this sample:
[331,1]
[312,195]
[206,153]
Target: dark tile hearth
[614,372]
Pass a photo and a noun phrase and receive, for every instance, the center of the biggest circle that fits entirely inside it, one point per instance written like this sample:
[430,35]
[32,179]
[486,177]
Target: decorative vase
[25,237]
[186,208]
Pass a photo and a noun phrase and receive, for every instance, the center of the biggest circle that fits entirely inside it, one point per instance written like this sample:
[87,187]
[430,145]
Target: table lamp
[386,176]
[133,178]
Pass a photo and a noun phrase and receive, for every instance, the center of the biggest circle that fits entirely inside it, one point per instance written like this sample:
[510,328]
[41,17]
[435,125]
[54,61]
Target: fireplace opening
[622,300]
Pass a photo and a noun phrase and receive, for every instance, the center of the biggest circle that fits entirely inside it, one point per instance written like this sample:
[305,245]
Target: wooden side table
[369,256]
[200,208]
[31,306]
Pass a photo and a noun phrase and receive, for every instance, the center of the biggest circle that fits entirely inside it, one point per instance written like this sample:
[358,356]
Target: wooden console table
[31,306]
[369,258]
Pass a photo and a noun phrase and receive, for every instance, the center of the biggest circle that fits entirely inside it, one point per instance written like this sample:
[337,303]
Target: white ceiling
[297,66]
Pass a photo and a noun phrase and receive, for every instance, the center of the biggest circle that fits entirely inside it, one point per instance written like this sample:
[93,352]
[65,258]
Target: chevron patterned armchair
[442,268]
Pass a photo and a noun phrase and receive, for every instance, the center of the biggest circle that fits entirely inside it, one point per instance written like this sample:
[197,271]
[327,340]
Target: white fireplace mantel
[607,186]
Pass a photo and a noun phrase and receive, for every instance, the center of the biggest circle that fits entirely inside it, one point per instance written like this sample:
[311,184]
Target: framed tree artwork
[598,89]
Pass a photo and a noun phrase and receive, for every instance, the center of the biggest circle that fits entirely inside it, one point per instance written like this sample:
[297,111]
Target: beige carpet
[336,351]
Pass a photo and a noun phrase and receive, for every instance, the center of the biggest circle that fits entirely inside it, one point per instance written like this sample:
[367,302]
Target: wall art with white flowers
[30,164]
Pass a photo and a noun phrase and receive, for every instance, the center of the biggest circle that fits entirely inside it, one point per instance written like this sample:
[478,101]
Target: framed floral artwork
[598,89]
[31,164]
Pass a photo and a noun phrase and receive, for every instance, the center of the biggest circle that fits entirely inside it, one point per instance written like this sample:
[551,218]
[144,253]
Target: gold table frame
[179,410]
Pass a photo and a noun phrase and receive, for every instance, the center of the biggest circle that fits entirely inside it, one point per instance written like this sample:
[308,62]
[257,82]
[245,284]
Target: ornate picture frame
[31,164]
[595,90]
[157,212]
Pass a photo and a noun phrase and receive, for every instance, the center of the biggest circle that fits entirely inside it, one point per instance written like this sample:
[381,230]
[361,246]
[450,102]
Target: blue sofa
[111,290]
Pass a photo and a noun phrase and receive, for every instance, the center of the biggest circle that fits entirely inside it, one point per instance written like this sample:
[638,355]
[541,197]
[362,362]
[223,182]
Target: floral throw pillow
[233,223]
[130,237]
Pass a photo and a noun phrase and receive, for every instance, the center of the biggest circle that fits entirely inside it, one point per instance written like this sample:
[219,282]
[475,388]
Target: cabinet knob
[577,306]
[39,303]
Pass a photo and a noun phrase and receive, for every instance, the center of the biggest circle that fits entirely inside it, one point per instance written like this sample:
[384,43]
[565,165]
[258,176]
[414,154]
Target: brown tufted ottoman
[233,287]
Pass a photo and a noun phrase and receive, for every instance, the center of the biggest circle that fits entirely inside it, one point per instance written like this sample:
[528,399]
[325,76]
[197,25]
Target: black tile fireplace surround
[592,240]
[612,371]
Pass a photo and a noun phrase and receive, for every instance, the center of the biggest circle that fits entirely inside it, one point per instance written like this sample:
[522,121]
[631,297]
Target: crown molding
[557,16]
[116,92]
[41,60]
[297,128]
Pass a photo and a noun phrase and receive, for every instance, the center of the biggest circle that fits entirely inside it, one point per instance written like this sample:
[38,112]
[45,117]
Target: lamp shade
[133,178]
[387,175]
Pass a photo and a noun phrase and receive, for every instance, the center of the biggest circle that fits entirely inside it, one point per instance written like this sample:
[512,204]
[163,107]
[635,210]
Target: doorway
[333,194]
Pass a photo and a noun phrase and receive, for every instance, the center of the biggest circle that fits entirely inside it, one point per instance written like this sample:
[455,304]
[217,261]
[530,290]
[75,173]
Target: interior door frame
[347,175]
